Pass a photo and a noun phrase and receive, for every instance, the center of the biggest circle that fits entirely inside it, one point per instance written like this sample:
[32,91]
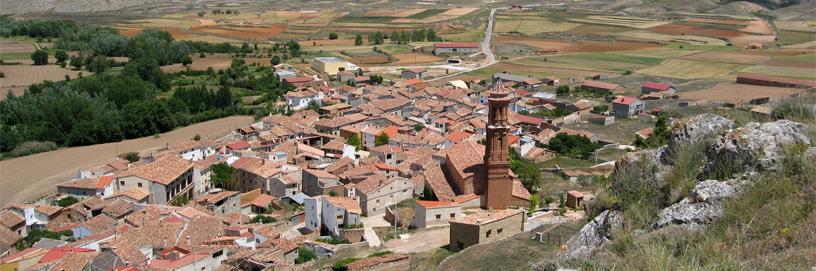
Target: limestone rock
[704,204]
[758,146]
[712,190]
[593,235]
[699,127]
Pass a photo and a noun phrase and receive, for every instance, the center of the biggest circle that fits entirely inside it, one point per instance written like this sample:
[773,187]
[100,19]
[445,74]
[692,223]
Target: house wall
[437,51]
[230,205]
[313,214]
[78,192]
[424,217]
[396,191]
[465,235]
[133,182]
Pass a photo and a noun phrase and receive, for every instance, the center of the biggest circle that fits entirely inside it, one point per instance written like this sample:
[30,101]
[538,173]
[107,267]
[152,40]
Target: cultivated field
[688,39]
[806,73]
[24,75]
[690,69]
[634,22]
[731,92]
[574,47]
[415,58]
[593,61]
[736,57]
[30,177]
[217,63]
[15,46]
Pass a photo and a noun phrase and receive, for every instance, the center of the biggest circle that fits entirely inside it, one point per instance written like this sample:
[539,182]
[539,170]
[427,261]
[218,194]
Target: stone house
[485,227]
[433,213]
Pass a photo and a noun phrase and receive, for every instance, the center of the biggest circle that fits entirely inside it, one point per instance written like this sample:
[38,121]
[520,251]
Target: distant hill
[74,6]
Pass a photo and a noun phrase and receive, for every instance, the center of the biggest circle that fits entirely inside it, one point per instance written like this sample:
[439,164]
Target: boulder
[811,153]
[705,203]
[593,235]
[757,146]
[698,127]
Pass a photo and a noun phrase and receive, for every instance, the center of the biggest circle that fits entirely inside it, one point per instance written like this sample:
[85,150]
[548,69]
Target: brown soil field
[686,29]
[244,33]
[793,64]
[378,59]
[730,57]
[745,40]
[337,42]
[16,91]
[206,22]
[382,13]
[128,31]
[758,27]
[802,26]
[15,46]
[414,58]
[559,72]
[30,177]
[578,47]
[408,12]
[24,75]
[217,63]
[731,92]
[718,21]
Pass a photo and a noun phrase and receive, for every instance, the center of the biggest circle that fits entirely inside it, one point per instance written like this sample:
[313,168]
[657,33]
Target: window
[139,184]
[499,231]
[488,233]
[121,182]
[438,216]
[452,215]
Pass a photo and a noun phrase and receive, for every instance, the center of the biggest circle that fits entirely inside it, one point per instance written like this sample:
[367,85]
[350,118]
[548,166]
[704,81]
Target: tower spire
[497,180]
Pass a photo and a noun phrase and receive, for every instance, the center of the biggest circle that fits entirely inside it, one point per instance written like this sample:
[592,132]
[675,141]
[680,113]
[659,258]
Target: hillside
[73,6]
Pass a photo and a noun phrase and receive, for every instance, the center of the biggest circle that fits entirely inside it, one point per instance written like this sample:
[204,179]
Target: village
[353,165]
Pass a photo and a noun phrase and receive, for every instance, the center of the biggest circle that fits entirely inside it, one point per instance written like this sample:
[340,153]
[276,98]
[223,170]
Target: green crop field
[427,13]
[593,61]
[689,69]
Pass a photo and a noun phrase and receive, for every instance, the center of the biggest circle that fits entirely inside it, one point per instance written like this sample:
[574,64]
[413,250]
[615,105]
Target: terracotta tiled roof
[458,136]
[263,200]
[519,191]
[217,197]
[200,230]
[624,100]
[463,198]
[656,86]
[74,260]
[465,156]
[133,194]
[374,183]
[484,217]
[88,183]
[349,204]
[429,204]
[118,208]
[10,219]
[163,171]
[600,85]
[435,179]
[99,223]
[8,237]
[320,173]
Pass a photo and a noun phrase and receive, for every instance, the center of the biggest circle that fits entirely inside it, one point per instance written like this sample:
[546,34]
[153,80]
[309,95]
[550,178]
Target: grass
[566,162]
[519,252]
[796,73]
[429,260]
[689,69]
[426,13]
[363,19]
[795,37]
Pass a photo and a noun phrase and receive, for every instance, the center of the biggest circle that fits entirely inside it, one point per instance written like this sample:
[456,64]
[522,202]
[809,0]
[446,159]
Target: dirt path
[421,241]
[34,176]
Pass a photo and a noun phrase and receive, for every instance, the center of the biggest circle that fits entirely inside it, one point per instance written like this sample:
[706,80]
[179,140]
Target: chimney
[164,241]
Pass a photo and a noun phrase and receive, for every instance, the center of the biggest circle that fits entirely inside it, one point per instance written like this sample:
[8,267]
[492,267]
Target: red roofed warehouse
[650,87]
[455,48]
[601,86]
[773,81]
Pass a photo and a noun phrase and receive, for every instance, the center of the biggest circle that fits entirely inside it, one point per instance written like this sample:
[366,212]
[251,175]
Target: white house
[300,98]
[331,213]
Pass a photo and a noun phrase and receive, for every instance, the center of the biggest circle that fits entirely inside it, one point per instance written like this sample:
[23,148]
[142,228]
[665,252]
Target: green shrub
[32,147]
[66,201]
[305,255]
[688,159]
[262,219]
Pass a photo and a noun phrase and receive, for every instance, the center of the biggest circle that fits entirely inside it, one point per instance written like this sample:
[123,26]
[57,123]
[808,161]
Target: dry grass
[802,26]
[690,69]
[574,47]
[15,46]
[634,22]
[743,57]
[24,75]
[791,72]
[27,178]
[688,39]
[414,58]
[733,92]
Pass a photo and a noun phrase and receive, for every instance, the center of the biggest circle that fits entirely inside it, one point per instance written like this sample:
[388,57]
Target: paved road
[490,57]
[368,230]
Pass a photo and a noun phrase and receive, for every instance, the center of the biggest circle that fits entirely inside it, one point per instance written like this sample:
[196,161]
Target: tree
[186,60]
[221,175]
[659,137]
[197,137]
[61,56]
[601,108]
[381,139]
[40,57]
[180,200]
[527,171]
[294,48]
[358,40]
[275,60]
[201,13]
[131,156]
[77,62]
[562,90]
[305,255]
[66,201]
[332,36]
[533,203]
[262,219]
[576,146]
[354,140]
[332,193]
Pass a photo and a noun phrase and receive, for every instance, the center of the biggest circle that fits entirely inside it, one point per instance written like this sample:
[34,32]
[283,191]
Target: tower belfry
[499,184]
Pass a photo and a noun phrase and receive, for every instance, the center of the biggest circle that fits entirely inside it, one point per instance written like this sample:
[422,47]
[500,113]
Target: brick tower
[499,184]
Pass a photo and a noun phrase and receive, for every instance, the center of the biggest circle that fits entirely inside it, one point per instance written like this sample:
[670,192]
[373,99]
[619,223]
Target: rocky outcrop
[698,128]
[593,235]
[757,146]
[704,204]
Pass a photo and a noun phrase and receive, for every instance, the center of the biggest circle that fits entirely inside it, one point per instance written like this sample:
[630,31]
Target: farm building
[626,107]
[434,213]
[298,81]
[773,81]
[601,86]
[485,227]
[525,82]
[575,199]
[455,48]
[332,65]
[651,87]
[414,73]
[283,74]
[602,120]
